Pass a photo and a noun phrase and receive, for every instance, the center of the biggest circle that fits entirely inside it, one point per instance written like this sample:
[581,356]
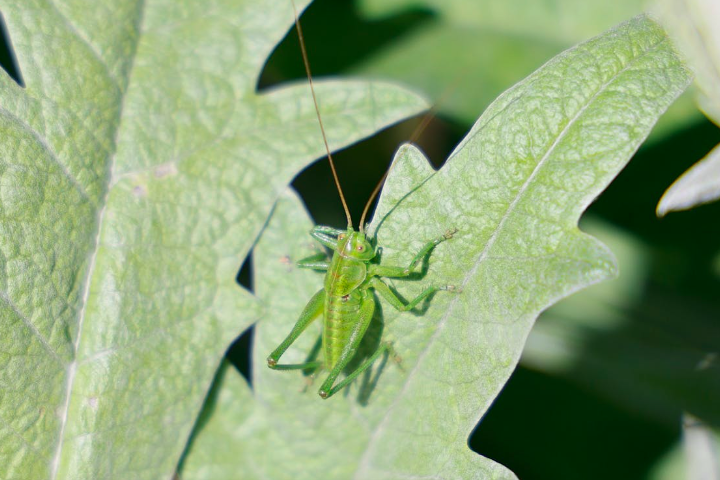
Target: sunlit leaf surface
[138,166]
[515,188]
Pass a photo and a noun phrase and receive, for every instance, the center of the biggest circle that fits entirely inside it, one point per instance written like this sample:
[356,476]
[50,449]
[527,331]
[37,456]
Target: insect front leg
[319,261]
[328,230]
[312,310]
[326,236]
[383,289]
[398,272]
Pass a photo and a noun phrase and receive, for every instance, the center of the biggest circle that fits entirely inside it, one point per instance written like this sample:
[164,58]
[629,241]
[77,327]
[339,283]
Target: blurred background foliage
[609,373]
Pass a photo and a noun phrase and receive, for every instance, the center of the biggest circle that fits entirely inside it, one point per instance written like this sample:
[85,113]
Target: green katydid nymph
[346,302]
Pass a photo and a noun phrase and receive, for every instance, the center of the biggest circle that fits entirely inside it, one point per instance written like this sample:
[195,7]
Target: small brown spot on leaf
[139,191]
[287,261]
[165,170]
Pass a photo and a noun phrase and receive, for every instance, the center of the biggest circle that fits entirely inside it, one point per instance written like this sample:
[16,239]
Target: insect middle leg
[398,272]
[312,310]
[392,298]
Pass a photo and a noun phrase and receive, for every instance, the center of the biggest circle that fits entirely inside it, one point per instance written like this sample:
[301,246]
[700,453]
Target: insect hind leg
[385,347]
[312,310]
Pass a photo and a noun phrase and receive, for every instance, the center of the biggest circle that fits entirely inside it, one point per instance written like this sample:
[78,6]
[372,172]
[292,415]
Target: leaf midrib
[72,368]
[365,460]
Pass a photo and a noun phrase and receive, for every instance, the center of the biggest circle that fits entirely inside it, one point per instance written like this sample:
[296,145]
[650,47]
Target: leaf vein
[43,341]
[17,434]
[76,33]
[42,141]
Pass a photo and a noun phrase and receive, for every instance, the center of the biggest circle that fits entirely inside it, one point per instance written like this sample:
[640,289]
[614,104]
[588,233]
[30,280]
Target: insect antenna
[317,111]
[427,118]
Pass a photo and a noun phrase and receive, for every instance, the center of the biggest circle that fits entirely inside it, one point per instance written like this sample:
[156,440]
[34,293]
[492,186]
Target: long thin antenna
[427,118]
[317,110]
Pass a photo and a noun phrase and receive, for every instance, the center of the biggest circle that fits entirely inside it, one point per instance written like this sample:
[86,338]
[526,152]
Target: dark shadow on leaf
[312,356]
[8,59]
[370,380]
[208,408]
[240,354]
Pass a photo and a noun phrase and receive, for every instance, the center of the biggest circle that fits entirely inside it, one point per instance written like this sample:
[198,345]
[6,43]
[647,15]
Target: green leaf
[695,25]
[561,21]
[699,184]
[138,166]
[702,449]
[493,44]
[696,457]
[515,188]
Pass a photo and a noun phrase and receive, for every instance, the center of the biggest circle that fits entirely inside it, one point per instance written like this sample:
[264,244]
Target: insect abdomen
[341,315]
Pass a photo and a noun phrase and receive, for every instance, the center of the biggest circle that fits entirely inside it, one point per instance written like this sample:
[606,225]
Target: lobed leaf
[515,188]
[138,166]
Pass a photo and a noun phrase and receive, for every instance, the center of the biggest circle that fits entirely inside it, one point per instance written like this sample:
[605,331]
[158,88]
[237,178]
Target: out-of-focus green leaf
[670,467]
[695,26]
[702,449]
[650,353]
[700,184]
[471,51]
[559,21]
[515,188]
[138,165]
[697,457]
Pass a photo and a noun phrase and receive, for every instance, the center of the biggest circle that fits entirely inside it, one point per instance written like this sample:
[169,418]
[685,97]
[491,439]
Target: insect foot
[395,356]
[307,383]
[449,234]
[451,288]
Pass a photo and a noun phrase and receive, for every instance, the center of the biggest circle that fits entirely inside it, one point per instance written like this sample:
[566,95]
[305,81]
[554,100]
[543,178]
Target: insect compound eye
[360,248]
